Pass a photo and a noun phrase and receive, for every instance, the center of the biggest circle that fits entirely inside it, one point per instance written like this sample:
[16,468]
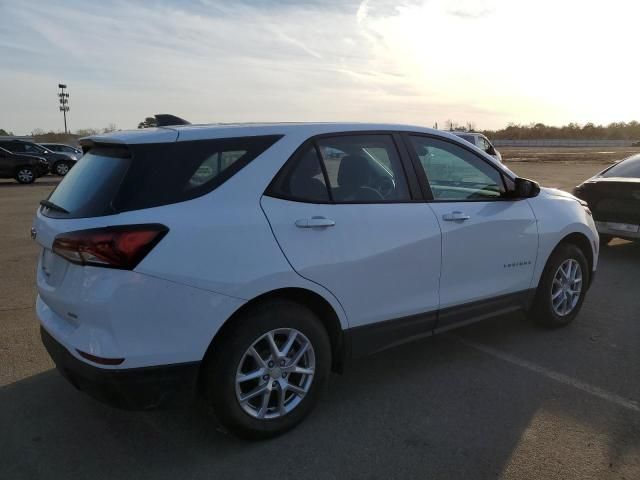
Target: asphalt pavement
[498,399]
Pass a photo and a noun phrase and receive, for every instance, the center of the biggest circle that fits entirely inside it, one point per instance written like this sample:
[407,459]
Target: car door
[489,241]
[342,211]
[6,165]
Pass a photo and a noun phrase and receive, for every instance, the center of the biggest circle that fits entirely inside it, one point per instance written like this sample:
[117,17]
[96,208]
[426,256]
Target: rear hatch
[116,185]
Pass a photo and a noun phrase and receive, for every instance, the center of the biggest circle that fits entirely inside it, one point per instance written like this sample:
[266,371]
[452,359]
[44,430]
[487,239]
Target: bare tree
[148,123]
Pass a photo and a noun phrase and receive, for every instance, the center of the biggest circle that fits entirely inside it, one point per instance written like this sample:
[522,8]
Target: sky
[488,62]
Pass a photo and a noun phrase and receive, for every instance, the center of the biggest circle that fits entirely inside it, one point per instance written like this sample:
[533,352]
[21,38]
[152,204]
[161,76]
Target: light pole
[64,103]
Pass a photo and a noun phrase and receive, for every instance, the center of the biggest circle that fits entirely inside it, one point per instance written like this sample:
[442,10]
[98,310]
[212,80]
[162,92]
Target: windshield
[629,167]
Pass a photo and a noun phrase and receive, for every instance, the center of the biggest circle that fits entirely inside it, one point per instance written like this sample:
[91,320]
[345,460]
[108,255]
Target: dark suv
[59,163]
[24,168]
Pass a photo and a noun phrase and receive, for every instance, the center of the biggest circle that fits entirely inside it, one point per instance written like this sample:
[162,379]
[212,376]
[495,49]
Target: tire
[25,175]
[61,168]
[605,239]
[544,311]
[230,357]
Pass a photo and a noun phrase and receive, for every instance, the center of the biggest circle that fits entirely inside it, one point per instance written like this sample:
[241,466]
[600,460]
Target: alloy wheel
[62,169]
[25,176]
[275,373]
[566,287]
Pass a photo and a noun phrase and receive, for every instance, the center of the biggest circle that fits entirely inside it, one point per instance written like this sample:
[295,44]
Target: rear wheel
[25,175]
[266,373]
[562,287]
[61,168]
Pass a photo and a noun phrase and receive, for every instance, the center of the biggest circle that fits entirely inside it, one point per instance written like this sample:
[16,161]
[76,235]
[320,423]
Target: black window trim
[424,181]
[407,169]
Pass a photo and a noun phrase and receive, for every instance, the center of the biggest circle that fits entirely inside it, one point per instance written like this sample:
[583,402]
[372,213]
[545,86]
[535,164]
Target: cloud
[374,60]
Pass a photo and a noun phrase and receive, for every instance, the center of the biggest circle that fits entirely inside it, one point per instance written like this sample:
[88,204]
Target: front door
[489,242]
[343,215]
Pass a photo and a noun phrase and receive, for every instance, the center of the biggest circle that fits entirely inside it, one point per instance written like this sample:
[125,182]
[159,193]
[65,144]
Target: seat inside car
[353,180]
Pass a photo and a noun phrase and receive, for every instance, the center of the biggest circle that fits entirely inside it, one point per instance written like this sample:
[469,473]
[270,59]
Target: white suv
[480,141]
[246,262]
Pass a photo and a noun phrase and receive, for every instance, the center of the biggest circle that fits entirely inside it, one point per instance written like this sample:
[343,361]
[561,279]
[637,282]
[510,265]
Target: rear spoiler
[166,120]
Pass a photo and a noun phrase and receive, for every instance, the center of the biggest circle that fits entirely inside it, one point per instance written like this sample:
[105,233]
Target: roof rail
[166,120]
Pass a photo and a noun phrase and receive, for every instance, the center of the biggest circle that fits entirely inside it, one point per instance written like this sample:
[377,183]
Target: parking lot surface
[498,399]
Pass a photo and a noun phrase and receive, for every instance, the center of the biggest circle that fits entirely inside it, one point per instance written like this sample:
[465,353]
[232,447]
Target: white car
[245,262]
[480,141]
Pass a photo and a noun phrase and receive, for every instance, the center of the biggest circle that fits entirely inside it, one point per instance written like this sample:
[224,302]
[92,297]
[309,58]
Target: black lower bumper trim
[130,388]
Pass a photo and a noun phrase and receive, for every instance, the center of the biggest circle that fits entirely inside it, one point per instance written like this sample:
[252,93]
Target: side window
[363,168]
[31,148]
[455,174]
[15,147]
[485,145]
[303,180]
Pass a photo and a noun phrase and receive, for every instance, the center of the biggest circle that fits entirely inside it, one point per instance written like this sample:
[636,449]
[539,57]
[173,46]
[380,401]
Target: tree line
[533,131]
[588,131]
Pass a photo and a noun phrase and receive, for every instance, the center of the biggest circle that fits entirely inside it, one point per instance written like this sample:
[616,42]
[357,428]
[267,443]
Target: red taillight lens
[122,246]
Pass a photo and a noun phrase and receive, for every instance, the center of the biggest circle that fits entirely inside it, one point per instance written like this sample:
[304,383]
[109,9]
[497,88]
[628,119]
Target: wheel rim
[275,373]
[62,169]
[566,287]
[25,175]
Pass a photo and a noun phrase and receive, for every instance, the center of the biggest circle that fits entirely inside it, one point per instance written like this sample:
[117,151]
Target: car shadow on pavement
[435,408]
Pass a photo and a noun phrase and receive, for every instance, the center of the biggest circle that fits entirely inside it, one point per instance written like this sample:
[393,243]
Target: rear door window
[114,179]
[363,169]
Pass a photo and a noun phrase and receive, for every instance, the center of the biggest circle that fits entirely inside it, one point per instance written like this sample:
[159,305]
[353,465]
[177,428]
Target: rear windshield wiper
[53,206]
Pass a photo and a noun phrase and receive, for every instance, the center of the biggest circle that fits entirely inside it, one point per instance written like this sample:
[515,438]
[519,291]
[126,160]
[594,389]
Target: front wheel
[267,371]
[61,168]
[25,175]
[562,287]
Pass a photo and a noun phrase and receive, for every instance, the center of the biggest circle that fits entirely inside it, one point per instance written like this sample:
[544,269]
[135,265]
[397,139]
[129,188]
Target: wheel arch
[313,300]
[581,241]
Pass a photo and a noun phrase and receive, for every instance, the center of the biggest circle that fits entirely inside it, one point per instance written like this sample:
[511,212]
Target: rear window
[114,179]
[469,138]
[626,168]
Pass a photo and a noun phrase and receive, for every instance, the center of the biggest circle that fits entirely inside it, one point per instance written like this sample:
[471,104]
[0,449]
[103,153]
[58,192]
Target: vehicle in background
[59,163]
[480,141]
[246,262]
[613,196]
[23,168]
[74,152]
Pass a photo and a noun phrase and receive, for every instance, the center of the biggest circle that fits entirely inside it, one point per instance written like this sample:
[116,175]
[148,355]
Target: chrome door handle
[315,222]
[455,217]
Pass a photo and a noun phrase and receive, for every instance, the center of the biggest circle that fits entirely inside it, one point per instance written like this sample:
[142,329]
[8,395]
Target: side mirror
[525,188]
[491,150]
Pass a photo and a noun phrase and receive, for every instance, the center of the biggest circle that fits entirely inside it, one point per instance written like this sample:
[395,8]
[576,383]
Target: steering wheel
[369,194]
[385,186]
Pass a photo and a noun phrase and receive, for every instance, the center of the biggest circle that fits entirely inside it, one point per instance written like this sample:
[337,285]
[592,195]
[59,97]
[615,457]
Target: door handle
[315,222]
[455,217]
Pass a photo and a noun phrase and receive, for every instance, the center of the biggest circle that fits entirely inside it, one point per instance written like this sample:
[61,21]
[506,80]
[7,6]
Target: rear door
[489,242]
[6,164]
[344,216]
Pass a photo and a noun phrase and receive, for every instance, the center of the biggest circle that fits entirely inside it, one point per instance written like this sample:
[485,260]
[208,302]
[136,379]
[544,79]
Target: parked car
[614,197]
[74,152]
[480,141]
[246,262]
[59,163]
[24,168]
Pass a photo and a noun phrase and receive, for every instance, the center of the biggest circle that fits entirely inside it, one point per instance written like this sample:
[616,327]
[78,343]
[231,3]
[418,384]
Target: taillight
[122,246]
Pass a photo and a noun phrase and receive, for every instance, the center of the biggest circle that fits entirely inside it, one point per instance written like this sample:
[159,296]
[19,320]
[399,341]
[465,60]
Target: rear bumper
[130,388]
[603,228]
